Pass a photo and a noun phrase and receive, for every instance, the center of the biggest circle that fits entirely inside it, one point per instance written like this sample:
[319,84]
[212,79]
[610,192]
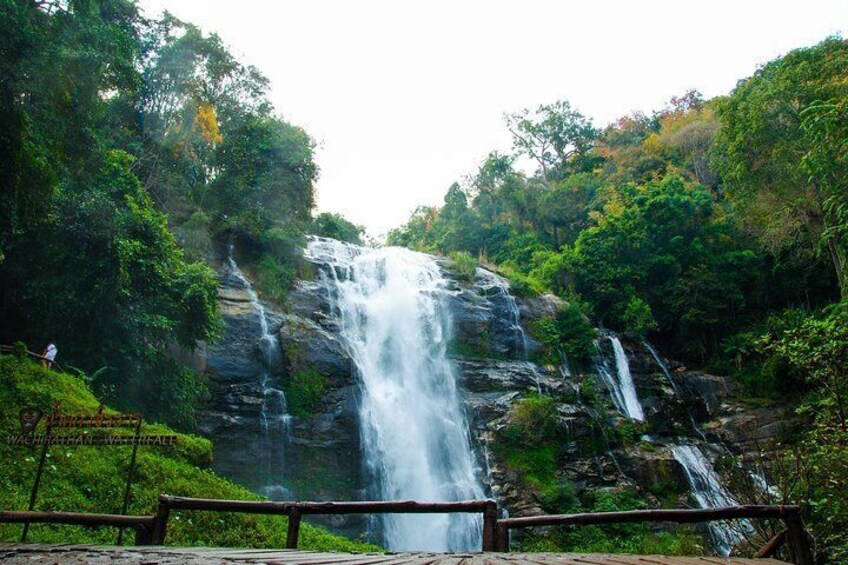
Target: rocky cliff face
[319,456]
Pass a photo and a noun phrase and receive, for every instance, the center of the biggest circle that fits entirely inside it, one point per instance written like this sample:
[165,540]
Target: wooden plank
[25,553]
[447,559]
[328,558]
[413,559]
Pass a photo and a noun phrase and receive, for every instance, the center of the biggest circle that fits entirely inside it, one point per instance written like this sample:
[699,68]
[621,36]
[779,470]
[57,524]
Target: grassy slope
[91,479]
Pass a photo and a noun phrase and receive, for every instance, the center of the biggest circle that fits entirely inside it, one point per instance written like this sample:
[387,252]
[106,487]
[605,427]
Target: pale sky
[405,98]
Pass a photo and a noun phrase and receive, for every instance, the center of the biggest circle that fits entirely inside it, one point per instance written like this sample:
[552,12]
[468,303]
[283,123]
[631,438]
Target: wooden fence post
[502,538]
[294,528]
[160,522]
[143,534]
[799,541]
[490,524]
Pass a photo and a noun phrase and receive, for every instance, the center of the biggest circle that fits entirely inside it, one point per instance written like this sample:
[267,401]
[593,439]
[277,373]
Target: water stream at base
[273,412]
[394,321]
[708,492]
[704,483]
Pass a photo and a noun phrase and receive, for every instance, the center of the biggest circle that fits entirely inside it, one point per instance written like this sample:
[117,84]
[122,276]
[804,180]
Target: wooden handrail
[795,535]
[10,349]
[680,515]
[143,525]
[152,529]
[321,507]
[295,510]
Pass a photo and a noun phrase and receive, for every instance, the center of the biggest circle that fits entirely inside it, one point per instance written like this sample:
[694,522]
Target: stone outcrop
[599,448]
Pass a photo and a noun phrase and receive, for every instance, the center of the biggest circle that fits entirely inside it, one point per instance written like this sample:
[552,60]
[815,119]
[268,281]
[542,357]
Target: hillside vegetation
[718,229]
[93,478]
[134,152]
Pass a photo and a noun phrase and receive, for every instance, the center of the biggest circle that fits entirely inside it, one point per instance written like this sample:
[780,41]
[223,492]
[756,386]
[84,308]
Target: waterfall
[622,389]
[394,321]
[273,412]
[564,367]
[708,492]
[655,354]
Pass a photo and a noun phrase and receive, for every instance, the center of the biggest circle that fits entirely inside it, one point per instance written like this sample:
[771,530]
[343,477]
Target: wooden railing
[295,510]
[794,535]
[9,349]
[143,525]
[151,530]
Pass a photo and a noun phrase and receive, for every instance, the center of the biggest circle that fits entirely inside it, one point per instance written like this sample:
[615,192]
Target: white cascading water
[621,387]
[708,492]
[395,323]
[513,321]
[273,412]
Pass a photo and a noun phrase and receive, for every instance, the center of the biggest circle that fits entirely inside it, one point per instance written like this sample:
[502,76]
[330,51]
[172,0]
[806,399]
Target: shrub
[570,332]
[638,319]
[275,278]
[618,538]
[464,265]
[195,237]
[336,226]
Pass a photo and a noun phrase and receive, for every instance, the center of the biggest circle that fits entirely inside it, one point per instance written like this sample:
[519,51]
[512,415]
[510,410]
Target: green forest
[135,151]
[716,228]
[131,148]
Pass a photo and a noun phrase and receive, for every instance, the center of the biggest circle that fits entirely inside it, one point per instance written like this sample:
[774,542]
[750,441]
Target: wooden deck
[35,554]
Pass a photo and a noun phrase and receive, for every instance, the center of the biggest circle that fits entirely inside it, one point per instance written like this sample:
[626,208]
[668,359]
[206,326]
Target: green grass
[92,478]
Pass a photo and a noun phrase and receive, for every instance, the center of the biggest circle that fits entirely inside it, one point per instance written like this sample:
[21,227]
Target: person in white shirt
[49,355]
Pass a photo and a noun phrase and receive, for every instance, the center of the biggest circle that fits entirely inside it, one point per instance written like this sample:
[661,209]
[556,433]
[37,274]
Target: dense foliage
[327,224]
[132,151]
[532,445]
[717,228]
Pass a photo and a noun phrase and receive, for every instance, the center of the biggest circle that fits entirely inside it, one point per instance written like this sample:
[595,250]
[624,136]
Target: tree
[666,259]
[558,138]
[336,226]
[826,128]
[761,146]
[266,177]
[566,204]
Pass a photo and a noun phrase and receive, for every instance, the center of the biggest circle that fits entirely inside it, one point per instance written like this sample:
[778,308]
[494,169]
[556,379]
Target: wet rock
[755,430]
[704,393]
[597,447]
[308,346]
[660,474]
[537,307]
[487,375]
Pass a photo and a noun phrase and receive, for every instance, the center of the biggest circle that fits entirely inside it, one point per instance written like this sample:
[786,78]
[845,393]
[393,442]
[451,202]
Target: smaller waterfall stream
[708,492]
[622,388]
[273,412]
[497,290]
